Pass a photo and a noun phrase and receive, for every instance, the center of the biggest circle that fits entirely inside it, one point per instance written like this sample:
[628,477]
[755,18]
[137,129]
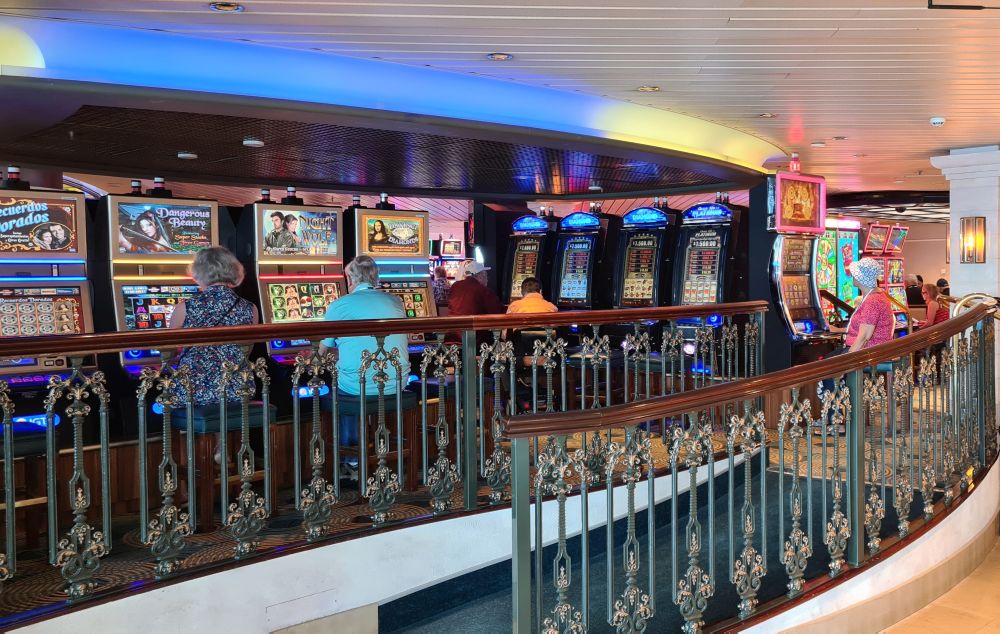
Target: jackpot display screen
[452,248]
[416,297]
[38,224]
[30,312]
[877,237]
[826,266]
[164,228]
[640,269]
[575,282]
[300,301]
[150,307]
[388,234]
[701,267]
[525,263]
[299,231]
[897,236]
[796,255]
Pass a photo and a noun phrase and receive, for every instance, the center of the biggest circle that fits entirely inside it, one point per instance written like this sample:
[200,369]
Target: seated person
[471,295]
[936,311]
[217,272]
[531,299]
[440,286]
[364,301]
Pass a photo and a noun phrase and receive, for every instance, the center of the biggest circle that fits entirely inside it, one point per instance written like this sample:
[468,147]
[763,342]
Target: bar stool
[350,405]
[205,423]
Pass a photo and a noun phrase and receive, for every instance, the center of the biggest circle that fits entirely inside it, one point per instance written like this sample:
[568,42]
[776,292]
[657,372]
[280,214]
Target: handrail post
[855,448]
[469,448]
[520,507]
[981,391]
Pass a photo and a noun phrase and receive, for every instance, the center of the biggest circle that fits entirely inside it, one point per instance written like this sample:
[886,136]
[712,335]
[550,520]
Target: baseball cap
[473,268]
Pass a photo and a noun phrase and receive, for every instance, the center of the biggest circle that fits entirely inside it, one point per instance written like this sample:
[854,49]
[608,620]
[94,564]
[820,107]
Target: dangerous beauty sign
[32,225]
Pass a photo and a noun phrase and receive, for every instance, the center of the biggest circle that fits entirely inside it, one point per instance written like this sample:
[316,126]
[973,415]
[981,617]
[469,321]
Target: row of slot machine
[651,256]
[809,267]
[122,265]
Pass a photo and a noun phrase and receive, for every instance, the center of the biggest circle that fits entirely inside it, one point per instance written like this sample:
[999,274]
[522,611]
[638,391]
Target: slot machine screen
[150,307]
[300,301]
[877,236]
[894,243]
[898,293]
[796,292]
[847,252]
[31,312]
[452,248]
[525,263]
[796,255]
[701,267]
[31,223]
[826,267]
[640,268]
[416,297]
[894,271]
[164,228]
[575,283]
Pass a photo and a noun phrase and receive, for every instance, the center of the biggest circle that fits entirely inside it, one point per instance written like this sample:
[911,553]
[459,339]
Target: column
[974,180]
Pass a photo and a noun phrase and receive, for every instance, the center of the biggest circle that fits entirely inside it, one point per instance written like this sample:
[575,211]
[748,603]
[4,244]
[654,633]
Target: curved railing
[806,474]
[119,469]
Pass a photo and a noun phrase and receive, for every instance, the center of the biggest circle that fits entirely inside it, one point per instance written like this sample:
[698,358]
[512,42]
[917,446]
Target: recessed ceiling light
[645,88]
[188,156]
[899,181]
[767,115]
[499,57]
[859,155]
[594,187]
[818,144]
[840,138]
[227,7]
[252,142]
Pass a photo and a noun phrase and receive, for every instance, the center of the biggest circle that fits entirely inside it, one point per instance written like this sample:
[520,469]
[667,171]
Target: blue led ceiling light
[580,220]
[708,212]
[645,216]
[531,224]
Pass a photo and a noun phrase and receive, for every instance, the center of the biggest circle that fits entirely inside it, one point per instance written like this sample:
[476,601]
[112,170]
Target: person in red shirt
[873,322]
[471,295]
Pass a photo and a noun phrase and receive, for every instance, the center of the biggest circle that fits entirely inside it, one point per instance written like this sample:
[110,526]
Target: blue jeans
[348,430]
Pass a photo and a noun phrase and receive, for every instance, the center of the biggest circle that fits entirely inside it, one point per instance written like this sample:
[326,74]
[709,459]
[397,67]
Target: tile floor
[972,606]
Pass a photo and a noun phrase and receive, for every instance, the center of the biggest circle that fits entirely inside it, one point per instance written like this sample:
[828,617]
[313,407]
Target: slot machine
[528,250]
[643,267]
[836,249]
[450,255]
[44,290]
[397,241]
[294,255]
[580,278]
[799,220]
[147,245]
[895,280]
[703,242]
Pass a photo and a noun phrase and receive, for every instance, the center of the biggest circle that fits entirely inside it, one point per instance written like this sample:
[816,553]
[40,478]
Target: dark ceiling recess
[933,206]
[140,142]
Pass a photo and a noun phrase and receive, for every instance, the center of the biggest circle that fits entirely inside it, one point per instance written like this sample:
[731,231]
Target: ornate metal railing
[777,484]
[137,485]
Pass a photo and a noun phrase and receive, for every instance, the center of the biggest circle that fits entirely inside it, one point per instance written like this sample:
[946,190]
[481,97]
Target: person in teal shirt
[364,302]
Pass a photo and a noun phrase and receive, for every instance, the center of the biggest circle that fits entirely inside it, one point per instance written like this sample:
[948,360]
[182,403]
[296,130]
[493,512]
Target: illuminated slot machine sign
[876,240]
[575,284]
[163,228]
[796,281]
[894,243]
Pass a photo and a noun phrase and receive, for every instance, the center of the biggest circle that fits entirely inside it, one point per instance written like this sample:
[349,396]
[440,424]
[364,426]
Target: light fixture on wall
[973,237]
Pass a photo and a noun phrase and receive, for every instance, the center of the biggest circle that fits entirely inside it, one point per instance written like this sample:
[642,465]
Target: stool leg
[411,439]
[205,467]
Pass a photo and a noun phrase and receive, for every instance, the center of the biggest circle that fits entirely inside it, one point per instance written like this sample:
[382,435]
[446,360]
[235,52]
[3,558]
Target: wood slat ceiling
[872,71]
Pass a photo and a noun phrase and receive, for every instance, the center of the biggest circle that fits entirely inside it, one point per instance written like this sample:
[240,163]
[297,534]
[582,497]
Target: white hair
[362,270]
[216,265]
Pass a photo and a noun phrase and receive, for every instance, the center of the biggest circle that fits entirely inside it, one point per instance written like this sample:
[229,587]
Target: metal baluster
[902,457]
[316,499]
[79,553]
[797,549]
[443,473]
[384,485]
[836,410]
[247,516]
[874,399]
[749,568]
[497,468]
[8,559]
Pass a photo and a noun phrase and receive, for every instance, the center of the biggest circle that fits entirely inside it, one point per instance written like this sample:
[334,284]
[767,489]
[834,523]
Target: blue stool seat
[206,417]
[350,404]
[884,367]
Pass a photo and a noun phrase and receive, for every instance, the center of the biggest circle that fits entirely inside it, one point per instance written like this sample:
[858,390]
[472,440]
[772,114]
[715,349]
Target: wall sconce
[973,237]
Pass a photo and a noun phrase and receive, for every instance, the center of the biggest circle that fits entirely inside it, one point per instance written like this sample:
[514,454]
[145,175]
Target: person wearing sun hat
[873,321]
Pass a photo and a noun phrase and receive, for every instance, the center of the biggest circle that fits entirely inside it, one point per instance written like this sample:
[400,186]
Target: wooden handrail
[80,345]
[836,301]
[675,405]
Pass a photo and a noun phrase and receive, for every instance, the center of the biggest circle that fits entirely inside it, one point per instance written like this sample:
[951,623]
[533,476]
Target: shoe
[349,472]
[218,458]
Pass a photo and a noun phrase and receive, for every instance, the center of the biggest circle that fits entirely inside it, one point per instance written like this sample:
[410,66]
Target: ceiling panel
[874,71]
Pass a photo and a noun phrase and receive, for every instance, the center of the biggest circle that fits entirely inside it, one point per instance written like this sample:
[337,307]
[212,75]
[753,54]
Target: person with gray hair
[364,301]
[217,272]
